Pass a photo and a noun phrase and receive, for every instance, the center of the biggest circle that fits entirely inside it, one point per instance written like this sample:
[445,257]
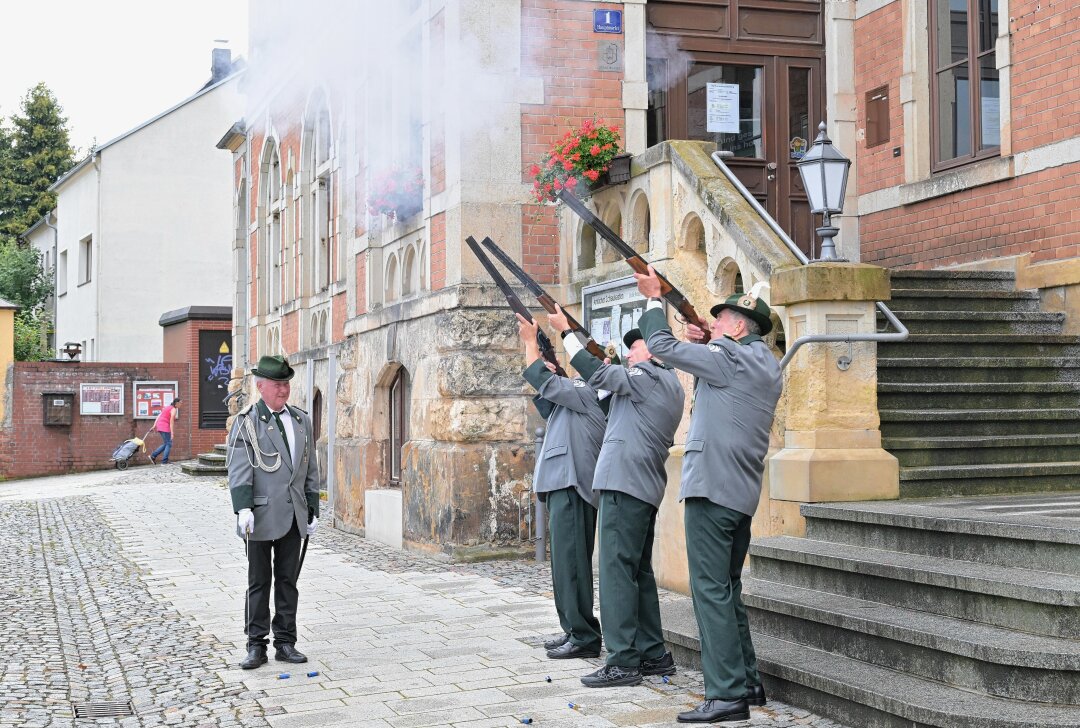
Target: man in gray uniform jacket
[737,385]
[274,483]
[563,479]
[647,404]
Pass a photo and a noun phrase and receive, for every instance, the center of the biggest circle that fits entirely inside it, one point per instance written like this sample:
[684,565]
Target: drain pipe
[901,332]
[55,272]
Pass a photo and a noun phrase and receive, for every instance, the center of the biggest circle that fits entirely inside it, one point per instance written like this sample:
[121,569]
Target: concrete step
[980,322]
[869,696]
[1030,601]
[966,422]
[942,529]
[983,449]
[978,395]
[930,300]
[983,658]
[213,459]
[194,467]
[1040,477]
[981,345]
[952,280]
[974,369]
[221,448]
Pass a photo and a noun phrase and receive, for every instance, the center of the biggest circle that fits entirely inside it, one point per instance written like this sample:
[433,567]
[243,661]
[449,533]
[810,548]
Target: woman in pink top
[164,426]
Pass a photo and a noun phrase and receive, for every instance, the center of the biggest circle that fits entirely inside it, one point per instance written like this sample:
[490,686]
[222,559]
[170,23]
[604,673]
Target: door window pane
[988,24]
[954,113]
[656,77]
[798,112]
[749,141]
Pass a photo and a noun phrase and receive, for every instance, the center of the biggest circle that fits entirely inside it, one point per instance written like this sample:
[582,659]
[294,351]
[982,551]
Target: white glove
[245,521]
[312,526]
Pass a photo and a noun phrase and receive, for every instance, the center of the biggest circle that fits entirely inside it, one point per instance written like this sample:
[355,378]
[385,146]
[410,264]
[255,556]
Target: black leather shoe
[755,695]
[662,665]
[717,711]
[256,656]
[557,642]
[569,651]
[288,653]
[610,676]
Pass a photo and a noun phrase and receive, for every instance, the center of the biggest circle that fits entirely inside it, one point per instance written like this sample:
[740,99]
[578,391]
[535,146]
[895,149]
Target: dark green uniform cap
[749,306]
[275,368]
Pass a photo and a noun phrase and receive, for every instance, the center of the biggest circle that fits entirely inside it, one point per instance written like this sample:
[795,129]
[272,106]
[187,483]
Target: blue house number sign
[607,21]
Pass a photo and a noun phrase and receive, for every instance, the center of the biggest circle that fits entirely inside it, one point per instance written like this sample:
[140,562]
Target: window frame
[397,421]
[972,59]
[86,260]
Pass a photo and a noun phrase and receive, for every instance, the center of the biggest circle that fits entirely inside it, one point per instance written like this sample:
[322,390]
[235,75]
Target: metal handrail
[901,331]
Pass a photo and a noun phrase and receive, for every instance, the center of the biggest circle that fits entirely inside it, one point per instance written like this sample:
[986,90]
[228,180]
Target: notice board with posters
[101,399]
[215,370]
[150,397]
[611,309]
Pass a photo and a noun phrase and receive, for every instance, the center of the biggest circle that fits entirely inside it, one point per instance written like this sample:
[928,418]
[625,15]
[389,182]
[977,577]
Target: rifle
[673,295]
[542,296]
[546,349]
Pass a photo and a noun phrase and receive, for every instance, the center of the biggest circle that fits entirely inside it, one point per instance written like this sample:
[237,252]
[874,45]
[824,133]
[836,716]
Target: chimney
[221,64]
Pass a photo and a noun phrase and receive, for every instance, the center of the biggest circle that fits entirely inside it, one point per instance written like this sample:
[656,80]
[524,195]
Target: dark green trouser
[717,539]
[573,534]
[629,606]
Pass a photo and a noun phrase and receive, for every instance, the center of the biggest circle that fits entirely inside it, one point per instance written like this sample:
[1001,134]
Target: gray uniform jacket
[735,392]
[285,495]
[575,431]
[646,406]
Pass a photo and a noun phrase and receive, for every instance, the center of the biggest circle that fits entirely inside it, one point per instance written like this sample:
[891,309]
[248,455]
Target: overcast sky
[113,63]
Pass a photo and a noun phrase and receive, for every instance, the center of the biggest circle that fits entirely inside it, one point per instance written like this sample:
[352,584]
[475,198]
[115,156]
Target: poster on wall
[101,399]
[150,397]
[611,309]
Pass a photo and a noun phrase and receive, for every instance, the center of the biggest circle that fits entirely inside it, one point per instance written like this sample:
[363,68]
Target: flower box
[579,161]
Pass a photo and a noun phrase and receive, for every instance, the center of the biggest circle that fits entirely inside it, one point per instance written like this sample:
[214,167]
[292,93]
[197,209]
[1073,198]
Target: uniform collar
[263,409]
[746,340]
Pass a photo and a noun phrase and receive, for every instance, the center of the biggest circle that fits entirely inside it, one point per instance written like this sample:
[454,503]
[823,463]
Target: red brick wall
[1046,76]
[30,448]
[338,314]
[438,251]
[879,56]
[558,44]
[290,332]
[1036,213]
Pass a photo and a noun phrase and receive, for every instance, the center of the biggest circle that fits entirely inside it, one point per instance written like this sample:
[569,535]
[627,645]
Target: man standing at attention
[563,480]
[737,385]
[647,404]
[274,483]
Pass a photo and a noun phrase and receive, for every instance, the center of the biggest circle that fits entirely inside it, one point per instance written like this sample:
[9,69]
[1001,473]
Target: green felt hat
[749,306]
[275,368]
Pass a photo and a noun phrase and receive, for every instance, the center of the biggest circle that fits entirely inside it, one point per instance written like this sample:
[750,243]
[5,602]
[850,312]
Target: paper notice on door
[722,108]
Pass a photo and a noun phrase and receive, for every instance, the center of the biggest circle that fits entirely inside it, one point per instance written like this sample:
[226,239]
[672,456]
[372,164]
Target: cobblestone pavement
[129,586]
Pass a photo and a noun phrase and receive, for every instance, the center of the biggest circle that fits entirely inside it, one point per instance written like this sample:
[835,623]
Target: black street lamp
[824,173]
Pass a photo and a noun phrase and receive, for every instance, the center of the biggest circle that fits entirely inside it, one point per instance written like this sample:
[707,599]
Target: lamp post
[824,173]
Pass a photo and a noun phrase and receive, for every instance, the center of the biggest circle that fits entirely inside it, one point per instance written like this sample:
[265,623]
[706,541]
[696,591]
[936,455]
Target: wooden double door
[754,86]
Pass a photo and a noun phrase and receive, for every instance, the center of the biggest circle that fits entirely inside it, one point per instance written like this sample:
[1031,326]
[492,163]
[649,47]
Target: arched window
[316,414]
[408,270]
[271,226]
[288,231]
[318,227]
[398,410]
[392,288]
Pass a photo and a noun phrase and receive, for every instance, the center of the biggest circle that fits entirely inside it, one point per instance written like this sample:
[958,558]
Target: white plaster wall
[166,226]
[76,310]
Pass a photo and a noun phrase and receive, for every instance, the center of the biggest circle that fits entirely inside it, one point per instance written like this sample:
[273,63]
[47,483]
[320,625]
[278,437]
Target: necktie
[285,437]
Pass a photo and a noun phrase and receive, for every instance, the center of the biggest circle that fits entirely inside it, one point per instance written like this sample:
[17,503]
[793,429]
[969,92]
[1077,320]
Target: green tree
[24,283]
[40,153]
[7,184]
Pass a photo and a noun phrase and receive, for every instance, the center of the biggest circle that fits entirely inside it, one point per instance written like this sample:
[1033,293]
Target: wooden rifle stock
[542,296]
[669,292]
[547,351]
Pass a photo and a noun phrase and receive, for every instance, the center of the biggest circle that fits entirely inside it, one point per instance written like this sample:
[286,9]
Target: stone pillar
[832,443]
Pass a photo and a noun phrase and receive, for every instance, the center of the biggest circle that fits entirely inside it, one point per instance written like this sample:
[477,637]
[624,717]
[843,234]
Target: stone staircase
[208,463]
[921,613]
[984,396]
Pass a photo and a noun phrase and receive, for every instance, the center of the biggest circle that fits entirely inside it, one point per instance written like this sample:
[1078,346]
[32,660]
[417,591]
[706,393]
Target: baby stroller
[127,449]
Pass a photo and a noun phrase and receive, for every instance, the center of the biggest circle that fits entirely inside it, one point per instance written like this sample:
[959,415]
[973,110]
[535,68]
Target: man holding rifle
[647,404]
[563,480]
[737,385]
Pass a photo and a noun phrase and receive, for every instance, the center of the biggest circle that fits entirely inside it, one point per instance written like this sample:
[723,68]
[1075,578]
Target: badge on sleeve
[579,383]
[714,348]
[634,372]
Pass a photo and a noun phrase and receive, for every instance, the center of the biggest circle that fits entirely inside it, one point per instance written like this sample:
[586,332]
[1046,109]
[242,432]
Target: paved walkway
[129,587]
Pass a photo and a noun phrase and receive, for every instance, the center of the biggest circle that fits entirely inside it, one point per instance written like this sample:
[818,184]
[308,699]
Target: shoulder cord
[255,458]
